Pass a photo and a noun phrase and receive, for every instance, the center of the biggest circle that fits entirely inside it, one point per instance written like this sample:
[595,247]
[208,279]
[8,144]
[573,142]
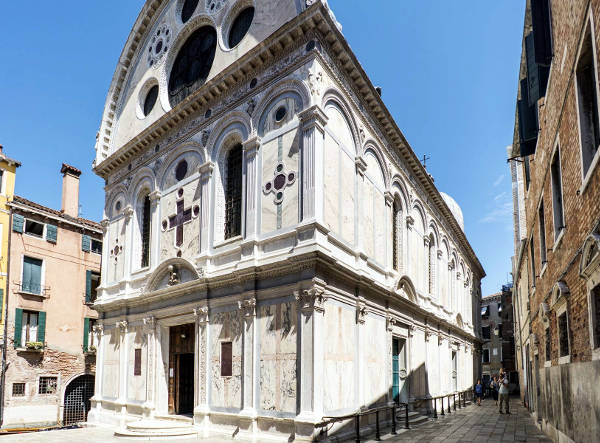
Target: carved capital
[450,266]
[389,198]
[98,330]
[391,322]
[440,254]
[105,224]
[428,334]
[150,324]
[410,221]
[311,300]
[201,314]
[251,146]
[206,170]
[128,211]
[411,330]
[121,326]
[313,117]
[154,197]
[458,275]
[426,240]
[248,307]
[361,312]
[361,165]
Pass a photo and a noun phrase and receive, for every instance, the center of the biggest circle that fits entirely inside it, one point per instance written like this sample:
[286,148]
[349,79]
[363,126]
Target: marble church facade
[271,241]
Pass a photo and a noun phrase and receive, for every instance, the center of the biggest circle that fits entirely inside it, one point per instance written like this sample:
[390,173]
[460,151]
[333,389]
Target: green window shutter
[86,243]
[18,326]
[88,286]
[18,221]
[41,335]
[32,275]
[1,300]
[51,233]
[86,331]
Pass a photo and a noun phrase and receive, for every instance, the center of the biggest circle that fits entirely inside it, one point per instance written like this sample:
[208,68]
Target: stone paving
[476,424]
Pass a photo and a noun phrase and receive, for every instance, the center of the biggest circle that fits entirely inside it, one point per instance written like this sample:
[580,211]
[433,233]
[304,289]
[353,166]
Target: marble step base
[170,428]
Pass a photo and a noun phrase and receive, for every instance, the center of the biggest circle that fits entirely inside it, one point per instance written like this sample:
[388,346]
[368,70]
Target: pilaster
[201,408]
[121,330]
[96,400]
[105,247]
[313,122]
[247,308]
[150,332]
[251,148]
[155,231]
[206,171]
[128,256]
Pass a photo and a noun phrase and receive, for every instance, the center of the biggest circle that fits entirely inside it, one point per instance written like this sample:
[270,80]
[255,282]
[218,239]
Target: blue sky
[448,70]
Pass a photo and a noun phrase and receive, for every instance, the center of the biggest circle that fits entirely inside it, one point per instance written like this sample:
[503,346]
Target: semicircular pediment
[172,272]
[405,287]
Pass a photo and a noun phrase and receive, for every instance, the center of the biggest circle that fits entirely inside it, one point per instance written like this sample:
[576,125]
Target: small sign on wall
[170,372]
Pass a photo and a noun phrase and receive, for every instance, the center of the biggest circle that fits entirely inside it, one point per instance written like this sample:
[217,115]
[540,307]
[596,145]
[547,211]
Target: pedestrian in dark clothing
[478,392]
[495,385]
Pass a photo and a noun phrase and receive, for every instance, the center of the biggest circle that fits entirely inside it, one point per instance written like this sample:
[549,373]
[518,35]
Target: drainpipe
[4,344]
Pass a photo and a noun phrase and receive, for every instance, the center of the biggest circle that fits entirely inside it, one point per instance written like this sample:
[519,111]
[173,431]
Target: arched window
[396,223]
[431,254]
[233,193]
[145,228]
[193,64]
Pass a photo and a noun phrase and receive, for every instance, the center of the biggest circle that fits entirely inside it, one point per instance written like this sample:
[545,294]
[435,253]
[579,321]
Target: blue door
[396,370]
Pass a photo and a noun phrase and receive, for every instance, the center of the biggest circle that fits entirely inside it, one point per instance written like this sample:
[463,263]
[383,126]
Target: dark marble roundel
[279,182]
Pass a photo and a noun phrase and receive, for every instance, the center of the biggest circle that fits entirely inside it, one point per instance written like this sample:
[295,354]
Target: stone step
[155,429]
[178,418]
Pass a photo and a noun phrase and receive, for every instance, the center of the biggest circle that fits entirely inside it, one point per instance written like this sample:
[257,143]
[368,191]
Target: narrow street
[477,424]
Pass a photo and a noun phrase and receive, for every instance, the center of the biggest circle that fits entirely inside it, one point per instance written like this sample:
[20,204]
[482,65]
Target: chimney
[1,149]
[70,190]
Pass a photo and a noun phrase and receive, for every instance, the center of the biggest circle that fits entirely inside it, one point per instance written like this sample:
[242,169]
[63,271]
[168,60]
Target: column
[361,314]
[251,147]
[155,230]
[206,171]
[96,400]
[313,122]
[128,244]
[121,328]
[411,368]
[312,308]
[201,365]
[150,332]
[248,311]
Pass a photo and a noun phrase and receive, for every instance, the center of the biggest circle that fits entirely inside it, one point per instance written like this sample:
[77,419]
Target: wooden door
[181,369]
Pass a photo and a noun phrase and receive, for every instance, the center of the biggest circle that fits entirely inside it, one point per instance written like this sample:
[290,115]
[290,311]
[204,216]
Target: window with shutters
[563,335]
[145,231]
[587,101]
[18,390]
[48,385]
[526,166]
[96,246]
[34,228]
[542,226]
[31,281]
[485,356]
[532,257]
[91,286]
[226,359]
[557,194]
[89,343]
[485,332]
[29,331]
[548,345]
[595,317]
[233,193]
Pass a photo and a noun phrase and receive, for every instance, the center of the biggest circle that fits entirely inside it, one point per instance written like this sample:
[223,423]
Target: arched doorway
[77,399]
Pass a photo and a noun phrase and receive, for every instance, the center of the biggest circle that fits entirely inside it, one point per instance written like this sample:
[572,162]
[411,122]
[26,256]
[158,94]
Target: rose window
[159,45]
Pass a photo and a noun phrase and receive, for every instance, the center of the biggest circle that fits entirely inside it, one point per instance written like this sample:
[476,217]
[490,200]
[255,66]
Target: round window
[181,170]
[240,26]
[188,9]
[150,100]
[118,205]
[280,114]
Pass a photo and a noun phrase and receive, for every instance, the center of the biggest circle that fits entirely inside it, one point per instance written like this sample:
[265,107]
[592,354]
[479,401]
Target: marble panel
[367,211]
[268,208]
[379,222]
[331,183]
[374,356]
[348,171]
[110,369]
[290,214]
[278,347]
[339,358]
[226,392]
[339,126]
[136,384]
[116,264]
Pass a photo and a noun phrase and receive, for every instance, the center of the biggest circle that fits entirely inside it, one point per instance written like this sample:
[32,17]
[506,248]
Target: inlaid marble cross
[281,180]
[178,220]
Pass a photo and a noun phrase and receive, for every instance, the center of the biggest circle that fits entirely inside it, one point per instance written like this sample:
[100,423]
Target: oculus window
[240,26]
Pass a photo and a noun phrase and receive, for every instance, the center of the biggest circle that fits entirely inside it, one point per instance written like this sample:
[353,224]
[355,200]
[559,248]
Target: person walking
[479,392]
[495,385]
[503,393]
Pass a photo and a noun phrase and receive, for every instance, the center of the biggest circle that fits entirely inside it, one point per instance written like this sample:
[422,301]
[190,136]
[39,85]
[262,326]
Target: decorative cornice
[206,170]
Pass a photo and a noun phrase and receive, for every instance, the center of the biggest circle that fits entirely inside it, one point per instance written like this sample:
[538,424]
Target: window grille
[18,389]
[233,193]
[548,345]
[146,232]
[395,236]
[47,385]
[563,331]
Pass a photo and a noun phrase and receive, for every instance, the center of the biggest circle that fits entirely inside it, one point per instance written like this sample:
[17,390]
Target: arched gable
[590,255]
[406,288]
[118,193]
[370,147]
[374,169]
[285,88]
[419,212]
[333,97]
[398,188]
[234,127]
[171,272]
[339,125]
[144,179]
[191,151]
[433,230]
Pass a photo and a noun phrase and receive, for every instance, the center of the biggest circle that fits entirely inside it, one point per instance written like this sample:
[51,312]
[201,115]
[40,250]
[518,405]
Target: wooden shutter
[18,327]
[32,275]
[18,221]
[528,124]
[86,243]
[1,300]
[88,286]
[41,335]
[537,75]
[86,333]
[51,233]
[541,21]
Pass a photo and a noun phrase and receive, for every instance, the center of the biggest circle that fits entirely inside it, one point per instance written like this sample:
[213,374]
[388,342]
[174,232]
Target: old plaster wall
[339,356]
[226,392]
[278,329]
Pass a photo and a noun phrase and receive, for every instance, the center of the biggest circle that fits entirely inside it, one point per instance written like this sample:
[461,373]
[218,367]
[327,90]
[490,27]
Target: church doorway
[399,372]
[181,369]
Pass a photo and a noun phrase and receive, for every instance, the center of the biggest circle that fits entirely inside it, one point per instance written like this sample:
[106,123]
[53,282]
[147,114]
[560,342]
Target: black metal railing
[462,397]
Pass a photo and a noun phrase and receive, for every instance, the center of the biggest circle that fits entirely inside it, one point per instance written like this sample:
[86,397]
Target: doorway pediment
[171,273]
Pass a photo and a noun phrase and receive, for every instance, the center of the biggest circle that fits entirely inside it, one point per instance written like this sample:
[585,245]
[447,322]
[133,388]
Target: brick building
[556,192]
[54,269]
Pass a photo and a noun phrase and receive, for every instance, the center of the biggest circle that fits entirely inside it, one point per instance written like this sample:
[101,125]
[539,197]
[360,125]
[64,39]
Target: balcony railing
[31,289]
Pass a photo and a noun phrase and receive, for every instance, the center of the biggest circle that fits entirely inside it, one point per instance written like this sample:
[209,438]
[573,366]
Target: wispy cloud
[502,211]
[498,181]
[500,196]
